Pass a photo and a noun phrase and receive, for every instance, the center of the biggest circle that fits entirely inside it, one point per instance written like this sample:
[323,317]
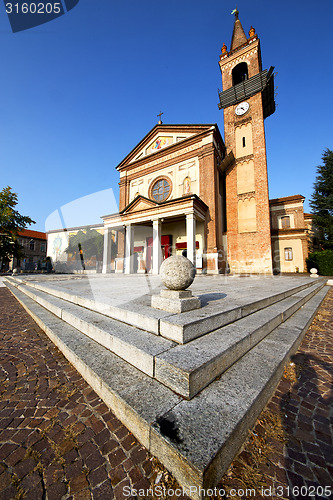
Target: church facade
[171,200]
[185,190]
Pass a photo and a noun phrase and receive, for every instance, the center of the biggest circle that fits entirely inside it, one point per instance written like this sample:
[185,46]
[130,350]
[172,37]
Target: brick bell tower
[247,99]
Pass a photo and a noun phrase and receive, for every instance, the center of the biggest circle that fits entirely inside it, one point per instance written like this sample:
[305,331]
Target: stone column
[129,244]
[157,252]
[120,259]
[107,251]
[190,237]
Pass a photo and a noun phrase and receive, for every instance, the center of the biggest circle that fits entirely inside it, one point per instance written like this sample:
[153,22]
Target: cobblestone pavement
[58,440]
[289,454]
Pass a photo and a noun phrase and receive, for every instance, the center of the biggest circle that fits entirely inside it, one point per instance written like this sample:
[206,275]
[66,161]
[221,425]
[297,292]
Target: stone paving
[290,451]
[58,440]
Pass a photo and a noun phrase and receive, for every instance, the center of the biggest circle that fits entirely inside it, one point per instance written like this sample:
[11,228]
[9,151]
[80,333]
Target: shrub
[323,261]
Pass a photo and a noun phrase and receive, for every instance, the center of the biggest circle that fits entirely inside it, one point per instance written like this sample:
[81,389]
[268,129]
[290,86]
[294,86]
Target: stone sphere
[177,272]
[313,270]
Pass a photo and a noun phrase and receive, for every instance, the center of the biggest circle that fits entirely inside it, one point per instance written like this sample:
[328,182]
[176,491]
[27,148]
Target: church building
[183,189]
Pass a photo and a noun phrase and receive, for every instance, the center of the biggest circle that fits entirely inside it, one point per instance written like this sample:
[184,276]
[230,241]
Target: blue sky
[78,93]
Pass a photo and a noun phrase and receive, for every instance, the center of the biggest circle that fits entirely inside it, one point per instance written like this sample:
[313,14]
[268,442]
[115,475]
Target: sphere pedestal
[177,273]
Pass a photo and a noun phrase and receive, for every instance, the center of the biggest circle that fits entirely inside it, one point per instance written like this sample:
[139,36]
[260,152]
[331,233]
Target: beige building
[290,234]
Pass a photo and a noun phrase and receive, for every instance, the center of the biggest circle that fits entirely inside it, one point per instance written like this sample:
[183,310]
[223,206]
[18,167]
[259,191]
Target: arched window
[240,73]
[160,189]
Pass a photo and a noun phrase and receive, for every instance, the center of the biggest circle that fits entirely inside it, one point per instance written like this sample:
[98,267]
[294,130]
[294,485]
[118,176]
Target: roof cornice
[202,129]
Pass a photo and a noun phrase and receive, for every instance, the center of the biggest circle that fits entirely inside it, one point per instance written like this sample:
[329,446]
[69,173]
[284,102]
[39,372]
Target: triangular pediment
[162,137]
[160,141]
[138,204]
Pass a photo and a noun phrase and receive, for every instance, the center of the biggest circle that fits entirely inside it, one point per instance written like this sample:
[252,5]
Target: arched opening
[240,73]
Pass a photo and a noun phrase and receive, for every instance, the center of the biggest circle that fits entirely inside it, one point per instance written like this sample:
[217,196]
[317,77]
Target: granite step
[180,328]
[134,345]
[198,439]
[135,398]
[185,327]
[195,440]
[138,315]
[190,367]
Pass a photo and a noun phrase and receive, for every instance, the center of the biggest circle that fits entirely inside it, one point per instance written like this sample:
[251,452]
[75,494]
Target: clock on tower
[247,99]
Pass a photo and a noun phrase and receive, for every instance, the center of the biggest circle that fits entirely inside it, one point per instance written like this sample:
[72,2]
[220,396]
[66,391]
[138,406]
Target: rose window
[160,190]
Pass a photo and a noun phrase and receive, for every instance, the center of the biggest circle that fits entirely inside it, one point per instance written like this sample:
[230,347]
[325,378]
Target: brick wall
[247,251]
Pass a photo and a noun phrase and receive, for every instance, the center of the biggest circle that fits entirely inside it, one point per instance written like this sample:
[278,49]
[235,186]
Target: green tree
[321,202]
[11,222]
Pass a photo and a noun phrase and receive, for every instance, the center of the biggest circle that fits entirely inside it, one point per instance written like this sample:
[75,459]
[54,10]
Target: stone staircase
[189,386]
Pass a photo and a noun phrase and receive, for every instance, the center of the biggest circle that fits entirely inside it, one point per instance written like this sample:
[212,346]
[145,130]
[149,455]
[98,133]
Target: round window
[160,190]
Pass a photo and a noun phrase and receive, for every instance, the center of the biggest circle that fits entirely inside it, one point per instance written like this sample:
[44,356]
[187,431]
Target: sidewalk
[58,440]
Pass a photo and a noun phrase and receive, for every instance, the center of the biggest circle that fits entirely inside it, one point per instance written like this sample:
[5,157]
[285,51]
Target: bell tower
[247,99]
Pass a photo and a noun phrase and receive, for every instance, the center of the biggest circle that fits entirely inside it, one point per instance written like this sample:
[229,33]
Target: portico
[149,231]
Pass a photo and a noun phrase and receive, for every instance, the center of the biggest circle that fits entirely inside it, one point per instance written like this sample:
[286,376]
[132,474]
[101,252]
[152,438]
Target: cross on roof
[159,115]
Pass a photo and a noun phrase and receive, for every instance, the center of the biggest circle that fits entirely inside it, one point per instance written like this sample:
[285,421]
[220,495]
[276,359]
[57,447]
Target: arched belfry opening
[240,73]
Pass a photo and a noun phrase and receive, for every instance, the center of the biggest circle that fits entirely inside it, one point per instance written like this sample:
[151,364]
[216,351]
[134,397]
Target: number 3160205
[33,8]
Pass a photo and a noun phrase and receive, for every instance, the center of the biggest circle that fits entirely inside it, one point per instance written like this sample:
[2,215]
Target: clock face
[242,108]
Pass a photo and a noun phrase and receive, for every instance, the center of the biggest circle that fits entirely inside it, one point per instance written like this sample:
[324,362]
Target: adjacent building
[63,261]
[290,234]
[34,247]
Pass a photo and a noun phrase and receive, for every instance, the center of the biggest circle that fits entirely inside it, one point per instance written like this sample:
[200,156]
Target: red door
[166,245]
